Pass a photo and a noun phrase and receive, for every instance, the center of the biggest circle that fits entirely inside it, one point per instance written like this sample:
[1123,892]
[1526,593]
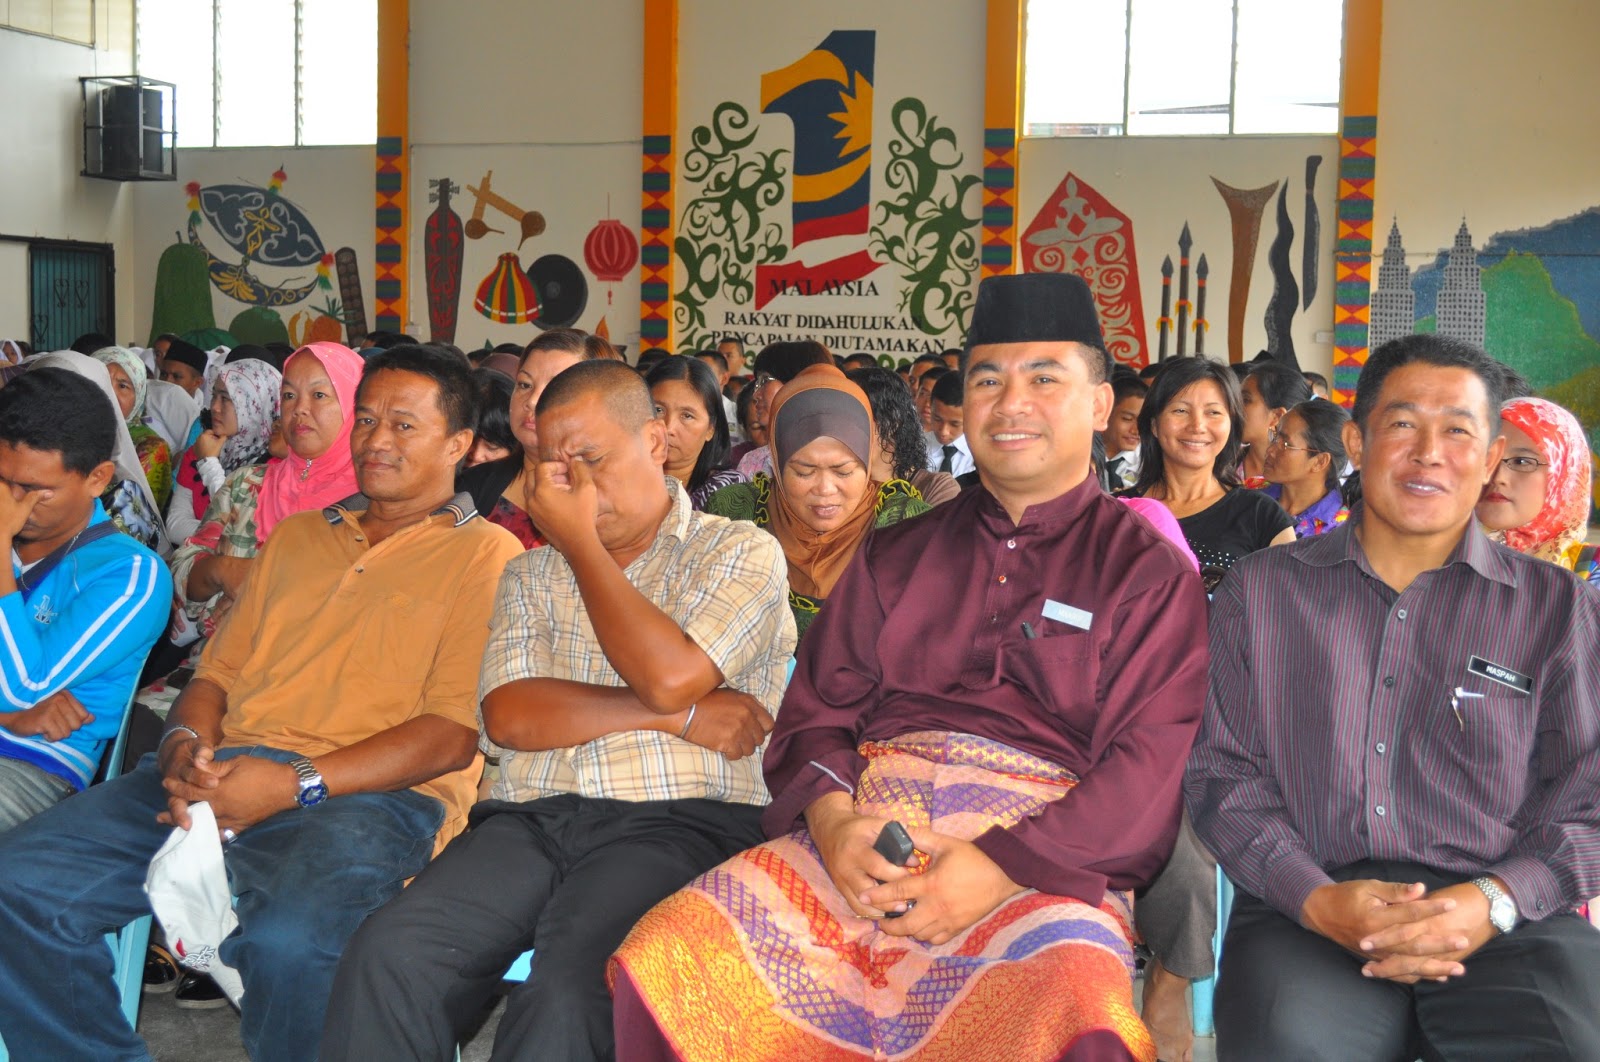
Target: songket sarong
[762,958]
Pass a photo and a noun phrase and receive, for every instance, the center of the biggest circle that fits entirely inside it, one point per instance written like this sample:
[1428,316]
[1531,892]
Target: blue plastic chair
[1202,993]
[129,944]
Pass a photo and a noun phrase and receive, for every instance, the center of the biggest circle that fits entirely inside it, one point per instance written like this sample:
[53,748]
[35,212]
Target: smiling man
[1400,761]
[330,726]
[1016,678]
[80,603]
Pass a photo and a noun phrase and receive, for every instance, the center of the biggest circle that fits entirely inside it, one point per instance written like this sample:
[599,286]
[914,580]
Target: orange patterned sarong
[761,958]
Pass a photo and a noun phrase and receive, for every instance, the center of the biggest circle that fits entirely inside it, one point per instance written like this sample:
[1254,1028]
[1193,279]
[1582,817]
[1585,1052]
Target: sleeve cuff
[836,772]
[1291,881]
[1533,885]
[1012,854]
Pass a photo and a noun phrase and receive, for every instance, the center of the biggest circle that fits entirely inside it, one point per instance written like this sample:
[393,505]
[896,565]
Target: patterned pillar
[393,166]
[655,215]
[1358,157]
[1002,114]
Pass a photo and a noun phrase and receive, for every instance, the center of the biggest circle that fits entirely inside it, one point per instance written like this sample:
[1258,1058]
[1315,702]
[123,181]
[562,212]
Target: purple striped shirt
[1330,737]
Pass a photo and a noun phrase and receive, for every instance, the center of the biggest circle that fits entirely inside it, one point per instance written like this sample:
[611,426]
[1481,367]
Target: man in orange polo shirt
[331,726]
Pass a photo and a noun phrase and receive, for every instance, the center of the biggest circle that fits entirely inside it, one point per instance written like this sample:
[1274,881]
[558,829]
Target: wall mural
[267,233]
[1079,231]
[782,235]
[1530,297]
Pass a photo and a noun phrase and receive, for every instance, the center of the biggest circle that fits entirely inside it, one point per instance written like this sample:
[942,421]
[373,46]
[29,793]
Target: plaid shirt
[724,582]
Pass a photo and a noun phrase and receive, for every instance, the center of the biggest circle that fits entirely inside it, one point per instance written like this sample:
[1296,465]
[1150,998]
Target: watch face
[1503,913]
[313,794]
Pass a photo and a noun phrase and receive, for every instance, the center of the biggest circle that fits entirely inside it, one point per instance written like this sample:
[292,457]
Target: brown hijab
[820,402]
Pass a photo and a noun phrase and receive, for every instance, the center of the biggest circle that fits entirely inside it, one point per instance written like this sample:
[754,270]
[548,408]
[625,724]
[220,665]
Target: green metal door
[70,292]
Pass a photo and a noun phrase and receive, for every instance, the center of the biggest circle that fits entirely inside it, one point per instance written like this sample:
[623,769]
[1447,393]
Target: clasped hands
[959,886]
[242,790]
[1406,933]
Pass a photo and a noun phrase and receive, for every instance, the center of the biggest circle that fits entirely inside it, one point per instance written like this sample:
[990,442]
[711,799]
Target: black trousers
[567,876]
[1288,993]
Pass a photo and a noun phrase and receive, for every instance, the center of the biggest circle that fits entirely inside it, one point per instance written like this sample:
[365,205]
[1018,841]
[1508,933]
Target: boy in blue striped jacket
[80,603]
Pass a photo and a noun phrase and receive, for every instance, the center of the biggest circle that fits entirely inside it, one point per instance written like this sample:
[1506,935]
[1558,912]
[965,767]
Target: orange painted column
[1002,117]
[1358,162]
[393,178]
[656,219]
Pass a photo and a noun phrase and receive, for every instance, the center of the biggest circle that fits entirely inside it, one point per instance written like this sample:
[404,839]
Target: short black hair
[859,361]
[626,396]
[1325,434]
[1150,371]
[1281,386]
[784,361]
[698,375]
[732,339]
[450,349]
[713,355]
[1127,386]
[948,388]
[90,342]
[1176,375]
[895,414]
[936,374]
[1316,379]
[458,392]
[58,410]
[494,409]
[507,348]
[1442,351]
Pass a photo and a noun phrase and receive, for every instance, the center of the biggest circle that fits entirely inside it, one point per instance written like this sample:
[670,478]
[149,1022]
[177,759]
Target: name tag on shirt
[1477,665]
[1072,617]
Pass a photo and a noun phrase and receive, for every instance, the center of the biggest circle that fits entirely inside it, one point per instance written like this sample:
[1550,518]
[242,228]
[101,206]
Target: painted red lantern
[611,251]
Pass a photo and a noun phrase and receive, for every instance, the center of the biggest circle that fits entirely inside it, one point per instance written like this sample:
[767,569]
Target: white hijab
[125,457]
[170,411]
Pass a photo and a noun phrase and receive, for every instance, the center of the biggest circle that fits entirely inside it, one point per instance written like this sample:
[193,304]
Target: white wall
[548,96]
[41,148]
[1485,109]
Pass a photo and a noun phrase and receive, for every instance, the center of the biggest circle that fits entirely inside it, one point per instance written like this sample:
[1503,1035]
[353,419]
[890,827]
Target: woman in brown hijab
[822,502]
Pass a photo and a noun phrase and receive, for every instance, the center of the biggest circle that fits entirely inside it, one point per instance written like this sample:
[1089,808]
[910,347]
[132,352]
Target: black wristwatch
[312,789]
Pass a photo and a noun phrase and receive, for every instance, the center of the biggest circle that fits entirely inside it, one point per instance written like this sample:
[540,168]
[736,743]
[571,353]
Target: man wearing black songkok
[185,365]
[1032,628]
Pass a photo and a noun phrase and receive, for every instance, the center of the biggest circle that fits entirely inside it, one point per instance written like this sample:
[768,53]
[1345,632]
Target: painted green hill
[1534,328]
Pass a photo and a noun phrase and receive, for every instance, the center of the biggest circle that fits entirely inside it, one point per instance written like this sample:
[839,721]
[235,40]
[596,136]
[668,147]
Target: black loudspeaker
[130,142]
[128,129]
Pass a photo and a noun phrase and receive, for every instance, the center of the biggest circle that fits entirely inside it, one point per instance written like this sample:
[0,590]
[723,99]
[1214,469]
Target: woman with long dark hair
[1190,436]
[689,403]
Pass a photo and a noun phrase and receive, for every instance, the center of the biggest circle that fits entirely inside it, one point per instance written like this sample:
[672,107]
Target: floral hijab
[1556,534]
[254,388]
[133,367]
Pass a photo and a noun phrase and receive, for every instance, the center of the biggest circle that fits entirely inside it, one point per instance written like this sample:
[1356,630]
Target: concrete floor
[177,1035]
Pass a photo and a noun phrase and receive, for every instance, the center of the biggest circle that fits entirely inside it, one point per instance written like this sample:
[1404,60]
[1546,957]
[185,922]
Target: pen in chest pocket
[1458,695]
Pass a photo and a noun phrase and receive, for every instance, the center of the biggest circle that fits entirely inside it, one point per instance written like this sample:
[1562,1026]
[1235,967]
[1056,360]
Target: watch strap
[1494,893]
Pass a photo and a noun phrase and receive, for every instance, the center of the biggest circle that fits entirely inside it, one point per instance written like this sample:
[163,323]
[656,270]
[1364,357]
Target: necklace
[306,471]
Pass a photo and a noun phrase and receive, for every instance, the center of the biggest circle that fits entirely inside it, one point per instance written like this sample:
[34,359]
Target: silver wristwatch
[312,790]
[1502,908]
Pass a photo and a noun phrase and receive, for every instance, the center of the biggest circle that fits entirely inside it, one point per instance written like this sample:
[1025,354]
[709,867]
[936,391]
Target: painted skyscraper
[1462,304]
[1394,304]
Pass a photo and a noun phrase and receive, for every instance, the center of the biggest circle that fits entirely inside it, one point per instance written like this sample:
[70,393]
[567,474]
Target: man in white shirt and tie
[947,442]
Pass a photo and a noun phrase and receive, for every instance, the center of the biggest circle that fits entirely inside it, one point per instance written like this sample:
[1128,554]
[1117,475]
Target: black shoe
[161,973]
[196,991]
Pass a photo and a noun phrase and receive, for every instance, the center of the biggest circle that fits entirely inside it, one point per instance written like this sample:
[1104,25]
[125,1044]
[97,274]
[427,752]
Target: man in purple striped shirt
[1400,760]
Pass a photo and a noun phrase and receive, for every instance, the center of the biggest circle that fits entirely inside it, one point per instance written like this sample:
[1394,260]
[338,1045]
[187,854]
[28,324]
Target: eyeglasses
[1281,441]
[1523,466]
[763,378]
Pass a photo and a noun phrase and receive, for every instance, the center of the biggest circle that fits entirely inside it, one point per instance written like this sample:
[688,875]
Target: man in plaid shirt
[632,672]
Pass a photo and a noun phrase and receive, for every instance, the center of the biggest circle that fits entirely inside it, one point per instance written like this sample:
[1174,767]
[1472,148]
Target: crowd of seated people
[915,719]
